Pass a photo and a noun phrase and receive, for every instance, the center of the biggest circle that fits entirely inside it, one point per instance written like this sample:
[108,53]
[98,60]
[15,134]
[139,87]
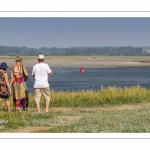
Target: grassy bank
[91,98]
[107,110]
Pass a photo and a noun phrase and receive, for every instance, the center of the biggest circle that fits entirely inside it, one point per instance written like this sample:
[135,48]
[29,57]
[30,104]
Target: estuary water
[70,79]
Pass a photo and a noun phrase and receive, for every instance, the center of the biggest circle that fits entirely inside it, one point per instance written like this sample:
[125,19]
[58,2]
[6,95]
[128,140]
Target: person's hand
[51,73]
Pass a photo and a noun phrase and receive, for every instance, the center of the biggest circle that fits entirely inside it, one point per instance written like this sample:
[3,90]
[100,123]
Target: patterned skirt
[20,94]
[4,94]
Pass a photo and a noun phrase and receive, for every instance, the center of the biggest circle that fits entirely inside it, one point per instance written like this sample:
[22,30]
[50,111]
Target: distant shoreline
[73,61]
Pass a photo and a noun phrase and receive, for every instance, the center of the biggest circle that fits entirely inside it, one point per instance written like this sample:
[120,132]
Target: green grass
[125,121]
[84,111]
[88,121]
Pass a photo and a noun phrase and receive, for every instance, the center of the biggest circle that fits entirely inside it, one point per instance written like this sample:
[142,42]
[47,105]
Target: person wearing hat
[5,89]
[40,74]
[18,84]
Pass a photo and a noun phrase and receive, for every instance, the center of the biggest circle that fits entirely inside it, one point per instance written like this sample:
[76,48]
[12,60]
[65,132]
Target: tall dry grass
[91,98]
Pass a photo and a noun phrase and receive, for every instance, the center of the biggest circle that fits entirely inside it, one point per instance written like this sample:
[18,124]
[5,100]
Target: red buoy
[81,70]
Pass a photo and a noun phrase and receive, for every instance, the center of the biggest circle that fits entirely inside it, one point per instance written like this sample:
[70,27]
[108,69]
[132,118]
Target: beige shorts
[42,91]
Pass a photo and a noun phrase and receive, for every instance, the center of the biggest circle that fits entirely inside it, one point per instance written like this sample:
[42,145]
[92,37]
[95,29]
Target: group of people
[17,85]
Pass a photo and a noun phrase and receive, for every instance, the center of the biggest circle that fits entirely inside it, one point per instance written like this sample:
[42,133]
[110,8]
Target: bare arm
[6,79]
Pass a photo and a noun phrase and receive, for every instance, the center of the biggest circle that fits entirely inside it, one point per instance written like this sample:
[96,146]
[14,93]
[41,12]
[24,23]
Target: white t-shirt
[40,71]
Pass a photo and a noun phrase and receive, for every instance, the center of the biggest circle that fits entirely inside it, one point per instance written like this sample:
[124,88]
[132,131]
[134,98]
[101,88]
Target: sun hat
[41,57]
[3,65]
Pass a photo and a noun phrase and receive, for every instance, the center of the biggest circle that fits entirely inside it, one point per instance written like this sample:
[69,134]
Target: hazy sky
[73,32]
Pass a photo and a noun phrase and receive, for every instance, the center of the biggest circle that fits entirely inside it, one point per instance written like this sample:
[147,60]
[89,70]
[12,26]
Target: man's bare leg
[38,106]
[47,106]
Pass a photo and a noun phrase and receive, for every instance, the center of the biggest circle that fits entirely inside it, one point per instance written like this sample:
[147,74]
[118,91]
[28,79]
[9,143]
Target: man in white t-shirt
[40,74]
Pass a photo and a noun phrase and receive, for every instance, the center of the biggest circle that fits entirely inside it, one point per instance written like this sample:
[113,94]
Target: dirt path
[107,108]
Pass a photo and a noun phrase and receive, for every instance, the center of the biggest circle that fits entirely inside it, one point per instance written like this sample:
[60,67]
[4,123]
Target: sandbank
[87,62]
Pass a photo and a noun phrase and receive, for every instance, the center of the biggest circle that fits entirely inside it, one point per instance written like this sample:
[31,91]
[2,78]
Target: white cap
[41,57]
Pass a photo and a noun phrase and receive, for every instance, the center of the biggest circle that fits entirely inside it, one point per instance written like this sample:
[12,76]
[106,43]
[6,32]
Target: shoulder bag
[24,76]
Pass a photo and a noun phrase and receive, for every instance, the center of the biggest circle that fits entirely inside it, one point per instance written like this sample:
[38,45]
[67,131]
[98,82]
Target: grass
[124,121]
[109,96]
[79,120]
[119,110]
[90,98]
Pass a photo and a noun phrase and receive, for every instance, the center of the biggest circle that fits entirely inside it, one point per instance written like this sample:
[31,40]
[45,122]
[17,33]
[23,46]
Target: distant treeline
[74,51]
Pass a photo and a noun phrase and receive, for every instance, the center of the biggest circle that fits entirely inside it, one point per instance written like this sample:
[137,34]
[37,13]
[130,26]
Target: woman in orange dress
[18,84]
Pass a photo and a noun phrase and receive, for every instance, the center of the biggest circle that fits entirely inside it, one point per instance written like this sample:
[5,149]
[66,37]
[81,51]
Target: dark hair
[40,60]
[3,69]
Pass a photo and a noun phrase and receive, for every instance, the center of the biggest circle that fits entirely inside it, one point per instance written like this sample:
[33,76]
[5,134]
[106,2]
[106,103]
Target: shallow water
[70,79]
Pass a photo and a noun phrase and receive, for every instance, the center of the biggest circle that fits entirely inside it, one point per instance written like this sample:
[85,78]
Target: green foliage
[74,51]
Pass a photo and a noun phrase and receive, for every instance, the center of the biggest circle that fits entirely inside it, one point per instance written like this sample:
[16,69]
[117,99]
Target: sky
[65,32]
